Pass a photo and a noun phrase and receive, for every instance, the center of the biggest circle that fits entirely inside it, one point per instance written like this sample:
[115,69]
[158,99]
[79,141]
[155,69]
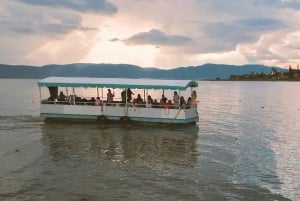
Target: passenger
[123,96]
[176,99]
[110,96]
[51,98]
[163,100]
[84,101]
[139,100]
[155,104]
[194,99]
[98,101]
[61,97]
[134,101]
[129,95]
[170,105]
[149,100]
[78,100]
[188,102]
[71,99]
[182,102]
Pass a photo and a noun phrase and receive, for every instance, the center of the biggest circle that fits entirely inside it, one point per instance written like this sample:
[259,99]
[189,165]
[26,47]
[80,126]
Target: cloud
[61,51]
[261,24]
[44,35]
[99,6]
[157,37]
[229,34]
[273,48]
[243,7]
[24,19]
[291,4]
[193,32]
[114,40]
[212,26]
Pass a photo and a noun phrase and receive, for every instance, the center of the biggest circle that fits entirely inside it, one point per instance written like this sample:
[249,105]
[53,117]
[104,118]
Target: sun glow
[115,51]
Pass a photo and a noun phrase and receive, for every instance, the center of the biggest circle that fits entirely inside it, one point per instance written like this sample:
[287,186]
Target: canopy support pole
[102,100]
[126,105]
[144,96]
[146,100]
[40,94]
[73,95]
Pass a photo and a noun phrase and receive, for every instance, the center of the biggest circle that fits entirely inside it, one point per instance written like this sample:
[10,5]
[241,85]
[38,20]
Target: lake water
[245,147]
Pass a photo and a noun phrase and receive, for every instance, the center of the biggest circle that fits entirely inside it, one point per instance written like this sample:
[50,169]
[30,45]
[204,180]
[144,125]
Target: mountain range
[202,72]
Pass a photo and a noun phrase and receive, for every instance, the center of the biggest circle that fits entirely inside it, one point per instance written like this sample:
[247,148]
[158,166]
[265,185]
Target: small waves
[19,122]
[23,118]
[245,146]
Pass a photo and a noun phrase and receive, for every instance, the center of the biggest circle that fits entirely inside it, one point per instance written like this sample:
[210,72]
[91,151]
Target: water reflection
[121,143]
[137,161]
[246,149]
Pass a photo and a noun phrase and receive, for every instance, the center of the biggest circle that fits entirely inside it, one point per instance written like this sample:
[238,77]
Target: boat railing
[111,104]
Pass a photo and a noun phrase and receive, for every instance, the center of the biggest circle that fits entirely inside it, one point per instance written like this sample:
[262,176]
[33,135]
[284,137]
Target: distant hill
[206,71]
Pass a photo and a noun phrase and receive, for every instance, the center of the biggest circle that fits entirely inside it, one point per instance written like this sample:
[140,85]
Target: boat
[55,106]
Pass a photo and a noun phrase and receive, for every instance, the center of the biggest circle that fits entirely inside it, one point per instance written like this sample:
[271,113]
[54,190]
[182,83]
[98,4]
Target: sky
[150,33]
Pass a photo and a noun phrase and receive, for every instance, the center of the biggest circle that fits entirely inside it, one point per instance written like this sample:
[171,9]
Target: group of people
[178,101]
[63,98]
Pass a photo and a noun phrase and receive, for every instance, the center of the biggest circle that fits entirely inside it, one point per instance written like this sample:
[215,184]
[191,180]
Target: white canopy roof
[116,83]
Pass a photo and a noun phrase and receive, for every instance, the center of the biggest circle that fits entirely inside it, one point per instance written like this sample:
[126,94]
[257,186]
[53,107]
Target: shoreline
[258,80]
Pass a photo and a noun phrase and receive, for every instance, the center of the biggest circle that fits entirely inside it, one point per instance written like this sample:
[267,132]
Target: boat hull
[117,112]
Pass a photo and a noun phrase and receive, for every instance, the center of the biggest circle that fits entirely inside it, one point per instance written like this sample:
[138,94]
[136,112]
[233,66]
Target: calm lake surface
[246,146]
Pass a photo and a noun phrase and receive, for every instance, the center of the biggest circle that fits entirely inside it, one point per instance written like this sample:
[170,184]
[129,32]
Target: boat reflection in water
[117,143]
[90,161]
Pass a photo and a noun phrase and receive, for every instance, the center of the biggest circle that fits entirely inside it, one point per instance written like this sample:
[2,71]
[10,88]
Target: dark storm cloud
[100,6]
[157,37]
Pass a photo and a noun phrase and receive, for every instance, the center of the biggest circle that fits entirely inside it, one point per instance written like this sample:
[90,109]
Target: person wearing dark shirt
[129,95]
[61,97]
[139,100]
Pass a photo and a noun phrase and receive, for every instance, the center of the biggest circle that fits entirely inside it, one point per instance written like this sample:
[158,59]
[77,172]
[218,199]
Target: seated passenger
[84,101]
[51,98]
[189,102]
[61,97]
[78,100]
[156,104]
[139,100]
[163,100]
[182,102]
[150,101]
[72,98]
[98,101]
[169,105]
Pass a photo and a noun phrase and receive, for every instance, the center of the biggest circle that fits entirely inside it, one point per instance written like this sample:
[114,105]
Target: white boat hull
[118,112]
